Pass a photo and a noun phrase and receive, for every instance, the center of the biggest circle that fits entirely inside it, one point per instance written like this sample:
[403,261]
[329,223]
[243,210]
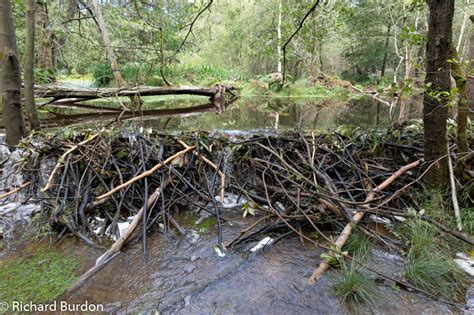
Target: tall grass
[429,266]
[354,287]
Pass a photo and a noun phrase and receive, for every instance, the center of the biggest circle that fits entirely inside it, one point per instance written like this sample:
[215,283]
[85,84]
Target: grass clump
[38,278]
[359,245]
[354,287]
[429,266]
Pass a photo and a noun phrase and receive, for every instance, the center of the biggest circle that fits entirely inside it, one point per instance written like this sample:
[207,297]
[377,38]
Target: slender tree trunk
[385,53]
[460,78]
[11,77]
[470,80]
[280,53]
[45,58]
[407,55]
[320,54]
[31,112]
[463,26]
[108,46]
[438,79]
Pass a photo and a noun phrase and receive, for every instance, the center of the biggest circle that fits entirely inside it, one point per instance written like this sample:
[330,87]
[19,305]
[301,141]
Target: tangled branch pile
[300,183]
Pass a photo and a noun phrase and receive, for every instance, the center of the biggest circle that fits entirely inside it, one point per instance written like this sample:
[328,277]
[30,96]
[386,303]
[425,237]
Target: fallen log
[77,95]
[344,236]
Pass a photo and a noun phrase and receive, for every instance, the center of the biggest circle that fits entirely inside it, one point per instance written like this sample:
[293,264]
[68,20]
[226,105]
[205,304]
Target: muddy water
[184,275]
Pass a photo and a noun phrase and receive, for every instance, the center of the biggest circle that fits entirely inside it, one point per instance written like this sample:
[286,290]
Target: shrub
[102,74]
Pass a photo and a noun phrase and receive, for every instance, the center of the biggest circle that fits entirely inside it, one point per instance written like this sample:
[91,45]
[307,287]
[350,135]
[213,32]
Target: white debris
[232,200]
[266,241]
[219,251]
[399,218]
[380,220]
[465,263]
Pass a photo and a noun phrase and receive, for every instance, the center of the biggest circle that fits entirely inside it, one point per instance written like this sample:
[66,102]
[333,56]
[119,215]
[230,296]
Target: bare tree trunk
[438,79]
[385,53]
[320,53]
[280,53]
[32,114]
[11,77]
[108,46]
[470,80]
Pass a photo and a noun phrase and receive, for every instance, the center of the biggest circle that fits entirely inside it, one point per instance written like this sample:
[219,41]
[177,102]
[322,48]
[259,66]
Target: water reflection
[283,113]
[189,114]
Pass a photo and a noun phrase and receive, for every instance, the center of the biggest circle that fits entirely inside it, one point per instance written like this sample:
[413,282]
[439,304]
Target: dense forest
[339,126]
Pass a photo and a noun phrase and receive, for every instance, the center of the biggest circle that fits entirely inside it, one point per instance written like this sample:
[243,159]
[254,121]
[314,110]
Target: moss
[38,278]
[206,224]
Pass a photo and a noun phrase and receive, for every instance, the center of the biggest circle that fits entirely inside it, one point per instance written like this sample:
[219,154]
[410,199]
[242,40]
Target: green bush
[102,74]
[44,76]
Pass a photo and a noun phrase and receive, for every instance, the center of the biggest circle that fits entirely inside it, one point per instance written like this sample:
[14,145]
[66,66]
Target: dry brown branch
[15,190]
[114,250]
[344,236]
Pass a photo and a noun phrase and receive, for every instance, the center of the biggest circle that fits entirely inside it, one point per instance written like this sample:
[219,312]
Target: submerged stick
[145,174]
[344,236]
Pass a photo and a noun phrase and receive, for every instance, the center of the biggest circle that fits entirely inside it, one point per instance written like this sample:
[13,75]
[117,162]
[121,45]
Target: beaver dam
[254,222]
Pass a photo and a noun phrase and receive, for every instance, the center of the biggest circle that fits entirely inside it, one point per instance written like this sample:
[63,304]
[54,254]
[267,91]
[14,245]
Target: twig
[17,189]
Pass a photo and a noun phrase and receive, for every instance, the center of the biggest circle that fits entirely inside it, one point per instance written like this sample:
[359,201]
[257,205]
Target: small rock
[188,268]
[187,300]
[194,258]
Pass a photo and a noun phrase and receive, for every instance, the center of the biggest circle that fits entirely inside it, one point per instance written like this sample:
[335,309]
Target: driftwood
[344,236]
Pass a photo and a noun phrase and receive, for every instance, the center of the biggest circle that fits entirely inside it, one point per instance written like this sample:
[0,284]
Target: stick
[454,197]
[13,191]
[147,173]
[343,237]
[214,166]
[61,160]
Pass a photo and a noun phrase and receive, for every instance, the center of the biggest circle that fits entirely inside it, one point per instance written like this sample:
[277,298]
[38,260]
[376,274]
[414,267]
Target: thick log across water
[61,93]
